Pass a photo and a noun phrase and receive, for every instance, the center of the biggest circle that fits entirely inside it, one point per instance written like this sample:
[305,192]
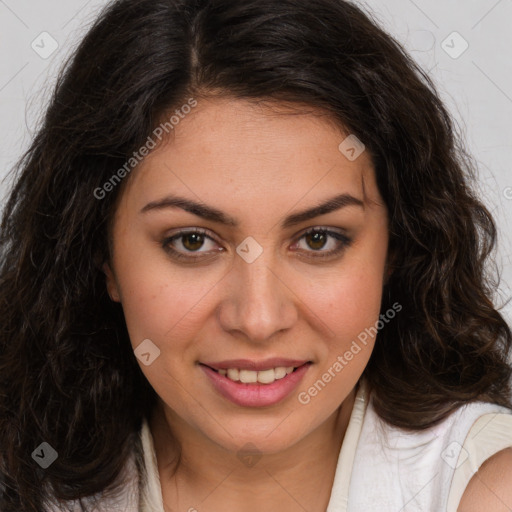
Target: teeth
[265,376]
[262,376]
[281,372]
[233,374]
[248,377]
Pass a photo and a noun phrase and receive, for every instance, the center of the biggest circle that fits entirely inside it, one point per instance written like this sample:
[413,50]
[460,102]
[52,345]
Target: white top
[379,467]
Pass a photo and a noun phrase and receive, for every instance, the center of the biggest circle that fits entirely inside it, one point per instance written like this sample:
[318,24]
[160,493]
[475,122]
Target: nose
[259,302]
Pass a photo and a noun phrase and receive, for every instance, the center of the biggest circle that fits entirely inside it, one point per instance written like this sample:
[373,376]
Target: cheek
[161,309]
[157,298]
[351,300]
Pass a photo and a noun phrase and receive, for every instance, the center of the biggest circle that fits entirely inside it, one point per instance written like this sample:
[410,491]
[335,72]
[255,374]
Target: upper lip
[247,364]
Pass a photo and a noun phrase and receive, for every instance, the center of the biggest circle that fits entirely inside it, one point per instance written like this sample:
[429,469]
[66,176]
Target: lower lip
[256,395]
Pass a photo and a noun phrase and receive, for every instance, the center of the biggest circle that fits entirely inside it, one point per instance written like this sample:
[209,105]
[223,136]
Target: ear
[112,287]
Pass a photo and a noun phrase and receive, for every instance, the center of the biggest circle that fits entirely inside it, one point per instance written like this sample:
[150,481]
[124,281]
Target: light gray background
[475,84]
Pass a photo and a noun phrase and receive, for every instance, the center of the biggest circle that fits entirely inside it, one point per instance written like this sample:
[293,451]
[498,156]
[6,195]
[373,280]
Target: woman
[242,265]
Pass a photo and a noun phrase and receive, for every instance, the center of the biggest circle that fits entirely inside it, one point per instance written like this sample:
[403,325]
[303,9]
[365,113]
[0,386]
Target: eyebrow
[213,214]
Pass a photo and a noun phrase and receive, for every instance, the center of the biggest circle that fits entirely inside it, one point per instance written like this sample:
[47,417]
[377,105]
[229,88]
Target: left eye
[316,240]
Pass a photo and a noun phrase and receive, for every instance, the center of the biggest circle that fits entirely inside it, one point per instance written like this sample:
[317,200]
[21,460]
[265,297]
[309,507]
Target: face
[248,274]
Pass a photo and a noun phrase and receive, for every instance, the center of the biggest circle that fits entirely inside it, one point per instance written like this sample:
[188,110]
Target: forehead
[227,149]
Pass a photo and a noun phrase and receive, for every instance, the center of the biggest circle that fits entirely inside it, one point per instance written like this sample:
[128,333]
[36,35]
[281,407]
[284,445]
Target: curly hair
[68,375]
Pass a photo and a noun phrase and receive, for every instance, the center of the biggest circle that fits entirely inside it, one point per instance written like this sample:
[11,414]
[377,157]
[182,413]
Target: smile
[250,388]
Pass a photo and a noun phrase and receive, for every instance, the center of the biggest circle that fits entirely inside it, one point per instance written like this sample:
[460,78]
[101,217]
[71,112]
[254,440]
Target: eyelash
[343,240]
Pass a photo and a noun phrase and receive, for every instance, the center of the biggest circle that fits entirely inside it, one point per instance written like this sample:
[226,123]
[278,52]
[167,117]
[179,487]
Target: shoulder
[490,488]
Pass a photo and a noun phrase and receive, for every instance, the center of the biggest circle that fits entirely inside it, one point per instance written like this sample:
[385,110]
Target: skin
[490,487]
[258,166]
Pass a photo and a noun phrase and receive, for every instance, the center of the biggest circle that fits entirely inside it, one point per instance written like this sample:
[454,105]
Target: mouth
[251,388]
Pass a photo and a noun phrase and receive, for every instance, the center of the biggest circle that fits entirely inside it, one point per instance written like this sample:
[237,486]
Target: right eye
[188,241]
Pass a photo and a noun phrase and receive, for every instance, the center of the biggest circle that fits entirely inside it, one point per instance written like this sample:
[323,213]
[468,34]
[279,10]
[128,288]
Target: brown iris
[318,240]
[196,241]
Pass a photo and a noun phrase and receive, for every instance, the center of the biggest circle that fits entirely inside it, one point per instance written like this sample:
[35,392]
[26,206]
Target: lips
[255,394]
